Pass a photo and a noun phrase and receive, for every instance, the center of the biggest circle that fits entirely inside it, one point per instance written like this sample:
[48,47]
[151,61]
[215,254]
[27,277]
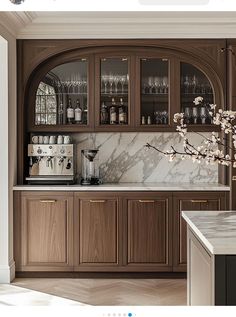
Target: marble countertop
[215,229]
[128,187]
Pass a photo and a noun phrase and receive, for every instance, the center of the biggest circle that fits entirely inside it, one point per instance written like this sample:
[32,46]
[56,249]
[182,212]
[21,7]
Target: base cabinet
[46,232]
[148,236]
[96,232]
[105,231]
[187,202]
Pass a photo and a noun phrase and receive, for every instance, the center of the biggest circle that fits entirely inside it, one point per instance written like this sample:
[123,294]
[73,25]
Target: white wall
[8,151]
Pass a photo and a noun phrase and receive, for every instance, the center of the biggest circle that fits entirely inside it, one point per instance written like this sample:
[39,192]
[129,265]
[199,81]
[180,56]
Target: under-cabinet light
[174,2]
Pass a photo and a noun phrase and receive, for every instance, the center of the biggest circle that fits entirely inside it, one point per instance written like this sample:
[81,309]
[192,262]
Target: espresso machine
[51,164]
[90,167]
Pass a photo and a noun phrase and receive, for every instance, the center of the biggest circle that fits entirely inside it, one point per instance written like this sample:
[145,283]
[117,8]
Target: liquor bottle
[104,114]
[78,113]
[60,113]
[113,116]
[85,114]
[70,112]
[122,113]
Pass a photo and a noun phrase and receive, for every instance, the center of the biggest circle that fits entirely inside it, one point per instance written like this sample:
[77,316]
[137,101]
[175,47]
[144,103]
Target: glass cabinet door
[114,91]
[154,101]
[62,95]
[194,83]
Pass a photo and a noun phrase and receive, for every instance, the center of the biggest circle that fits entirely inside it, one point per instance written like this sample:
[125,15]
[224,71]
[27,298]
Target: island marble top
[128,187]
[215,229]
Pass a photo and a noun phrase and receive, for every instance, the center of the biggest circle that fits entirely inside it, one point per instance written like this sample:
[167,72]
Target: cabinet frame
[197,197]
[25,264]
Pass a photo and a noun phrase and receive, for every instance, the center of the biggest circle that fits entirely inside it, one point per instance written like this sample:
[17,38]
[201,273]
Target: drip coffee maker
[90,167]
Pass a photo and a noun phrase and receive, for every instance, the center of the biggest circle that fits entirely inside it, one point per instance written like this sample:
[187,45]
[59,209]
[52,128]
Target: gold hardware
[50,201]
[147,201]
[97,201]
[199,201]
[234,178]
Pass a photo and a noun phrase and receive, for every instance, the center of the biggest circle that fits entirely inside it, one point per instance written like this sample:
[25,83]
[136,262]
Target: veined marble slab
[124,158]
[128,187]
[215,229]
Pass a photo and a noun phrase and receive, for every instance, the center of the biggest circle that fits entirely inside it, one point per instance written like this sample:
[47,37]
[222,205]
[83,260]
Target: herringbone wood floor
[106,292]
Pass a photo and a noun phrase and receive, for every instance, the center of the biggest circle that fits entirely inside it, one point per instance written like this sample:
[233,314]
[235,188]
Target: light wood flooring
[106,292]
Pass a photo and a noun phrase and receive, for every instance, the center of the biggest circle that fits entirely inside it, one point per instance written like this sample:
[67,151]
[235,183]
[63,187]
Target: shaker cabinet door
[148,236]
[190,201]
[47,232]
[96,234]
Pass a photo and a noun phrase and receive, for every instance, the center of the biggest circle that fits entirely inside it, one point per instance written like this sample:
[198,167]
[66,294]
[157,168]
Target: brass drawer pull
[97,201]
[147,201]
[234,178]
[49,201]
[199,201]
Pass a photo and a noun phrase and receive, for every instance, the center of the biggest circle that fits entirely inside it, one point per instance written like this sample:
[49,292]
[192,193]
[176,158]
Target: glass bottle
[70,112]
[113,116]
[104,114]
[122,113]
[78,113]
[85,114]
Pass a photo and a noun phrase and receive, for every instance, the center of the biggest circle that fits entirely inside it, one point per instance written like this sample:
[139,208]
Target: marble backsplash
[123,158]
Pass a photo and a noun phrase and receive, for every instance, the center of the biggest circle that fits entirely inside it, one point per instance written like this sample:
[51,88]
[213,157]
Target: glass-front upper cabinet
[154,91]
[62,95]
[194,83]
[114,92]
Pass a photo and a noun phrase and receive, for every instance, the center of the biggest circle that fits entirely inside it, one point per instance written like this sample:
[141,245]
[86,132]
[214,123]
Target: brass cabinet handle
[97,201]
[199,201]
[147,201]
[49,201]
[234,178]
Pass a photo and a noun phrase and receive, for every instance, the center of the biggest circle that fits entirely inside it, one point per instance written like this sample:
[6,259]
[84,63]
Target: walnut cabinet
[104,231]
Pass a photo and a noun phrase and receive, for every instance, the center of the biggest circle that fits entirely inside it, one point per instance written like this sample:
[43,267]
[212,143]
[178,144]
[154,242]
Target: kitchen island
[211,257]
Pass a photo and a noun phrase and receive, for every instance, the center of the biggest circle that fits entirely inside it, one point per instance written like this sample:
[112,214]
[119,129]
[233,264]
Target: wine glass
[116,82]
[158,118]
[111,82]
[195,115]
[105,79]
[186,84]
[187,115]
[123,80]
[157,84]
[203,114]
[164,117]
[150,84]
[165,85]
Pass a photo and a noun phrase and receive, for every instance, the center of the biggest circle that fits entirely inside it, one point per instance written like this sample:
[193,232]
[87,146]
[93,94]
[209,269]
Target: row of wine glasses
[195,115]
[155,85]
[114,84]
[159,117]
[194,85]
[73,85]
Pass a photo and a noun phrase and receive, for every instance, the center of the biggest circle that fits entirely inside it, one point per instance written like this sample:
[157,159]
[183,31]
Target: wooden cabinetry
[148,238]
[97,236]
[190,201]
[105,232]
[46,232]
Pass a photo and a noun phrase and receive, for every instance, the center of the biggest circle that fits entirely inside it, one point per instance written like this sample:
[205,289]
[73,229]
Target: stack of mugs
[51,139]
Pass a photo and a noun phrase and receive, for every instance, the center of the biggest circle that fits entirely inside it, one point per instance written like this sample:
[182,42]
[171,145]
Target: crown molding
[75,25]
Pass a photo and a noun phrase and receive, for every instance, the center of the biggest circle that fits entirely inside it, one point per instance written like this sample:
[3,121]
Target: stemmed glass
[105,79]
[165,85]
[203,114]
[157,84]
[123,81]
[187,115]
[111,81]
[195,115]
[186,84]
[164,117]
[116,82]
[158,117]
[150,84]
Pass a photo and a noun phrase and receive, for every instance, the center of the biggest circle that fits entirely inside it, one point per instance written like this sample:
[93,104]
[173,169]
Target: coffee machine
[90,167]
[51,164]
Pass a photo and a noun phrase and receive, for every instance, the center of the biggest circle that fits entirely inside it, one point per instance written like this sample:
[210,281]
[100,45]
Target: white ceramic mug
[46,139]
[60,139]
[67,139]
[40,138]
[52,139]
[35,139]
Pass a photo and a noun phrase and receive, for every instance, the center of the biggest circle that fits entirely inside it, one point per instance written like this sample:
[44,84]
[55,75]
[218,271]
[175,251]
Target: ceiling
[46,25]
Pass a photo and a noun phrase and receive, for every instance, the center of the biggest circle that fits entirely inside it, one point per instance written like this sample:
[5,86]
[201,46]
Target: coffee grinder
[90,167]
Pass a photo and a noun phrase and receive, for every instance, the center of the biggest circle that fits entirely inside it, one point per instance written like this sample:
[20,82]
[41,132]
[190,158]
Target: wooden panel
[190,201]
[47,231]
[148,237]
[97,232]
